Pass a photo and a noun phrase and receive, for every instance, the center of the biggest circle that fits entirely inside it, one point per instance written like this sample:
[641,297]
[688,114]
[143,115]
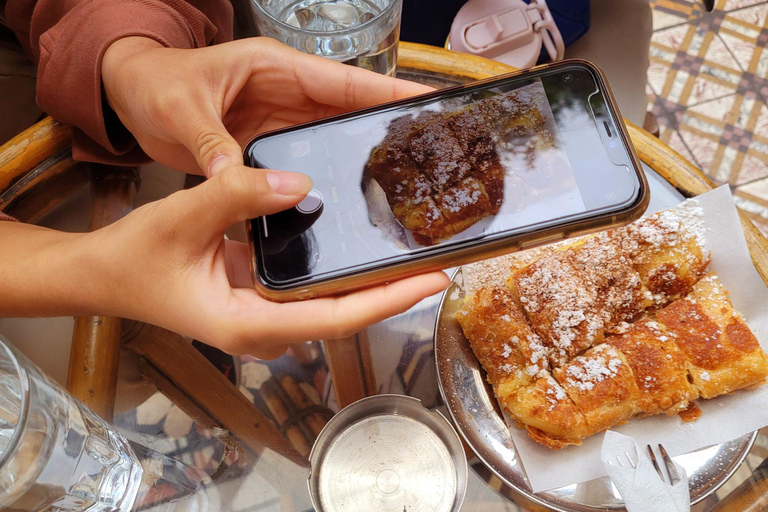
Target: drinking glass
[362,33]
[55,454]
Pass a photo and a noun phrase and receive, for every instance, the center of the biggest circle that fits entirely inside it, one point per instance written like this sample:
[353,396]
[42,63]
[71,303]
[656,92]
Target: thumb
[211,144]
[240,193]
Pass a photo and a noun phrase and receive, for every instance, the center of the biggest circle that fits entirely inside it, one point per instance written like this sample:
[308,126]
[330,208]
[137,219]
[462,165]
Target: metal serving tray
[476,415]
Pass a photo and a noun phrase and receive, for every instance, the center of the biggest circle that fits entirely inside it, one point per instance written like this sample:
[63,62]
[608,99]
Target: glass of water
[55,454]
[362,33]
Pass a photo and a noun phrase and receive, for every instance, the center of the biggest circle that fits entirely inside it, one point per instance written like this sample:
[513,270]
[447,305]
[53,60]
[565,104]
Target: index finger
[350,88]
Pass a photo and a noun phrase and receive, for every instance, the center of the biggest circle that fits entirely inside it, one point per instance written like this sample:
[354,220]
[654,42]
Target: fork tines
[670,476]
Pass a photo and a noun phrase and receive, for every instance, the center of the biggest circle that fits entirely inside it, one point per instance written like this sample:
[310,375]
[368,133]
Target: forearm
[48,273]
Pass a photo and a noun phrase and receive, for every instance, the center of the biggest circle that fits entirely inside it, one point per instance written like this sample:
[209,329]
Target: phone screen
[488,161]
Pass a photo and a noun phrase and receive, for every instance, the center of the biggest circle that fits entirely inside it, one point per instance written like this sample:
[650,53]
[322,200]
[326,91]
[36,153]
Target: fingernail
[218,164]
[289,183]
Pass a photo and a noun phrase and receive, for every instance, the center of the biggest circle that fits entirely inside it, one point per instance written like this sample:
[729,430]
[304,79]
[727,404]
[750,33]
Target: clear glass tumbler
[55,454]
[362,33]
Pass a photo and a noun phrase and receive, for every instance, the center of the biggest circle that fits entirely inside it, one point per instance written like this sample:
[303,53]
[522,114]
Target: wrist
[45,272]
[116,59]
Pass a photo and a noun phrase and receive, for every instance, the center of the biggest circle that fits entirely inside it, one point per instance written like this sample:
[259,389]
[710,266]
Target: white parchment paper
[723,418]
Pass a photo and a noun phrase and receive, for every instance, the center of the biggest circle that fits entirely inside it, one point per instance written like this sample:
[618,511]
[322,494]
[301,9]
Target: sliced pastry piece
[424,218]
[659,368]
[547,412]
[408,192]
[561,305]
[722,353]
[618,286]
[438,154]
[477,141]
[667,252]
[602,385]
[503,342]
[440,172]
[391,163]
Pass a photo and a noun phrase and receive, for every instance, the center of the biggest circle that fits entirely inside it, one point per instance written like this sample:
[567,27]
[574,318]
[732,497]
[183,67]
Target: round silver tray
[476,415]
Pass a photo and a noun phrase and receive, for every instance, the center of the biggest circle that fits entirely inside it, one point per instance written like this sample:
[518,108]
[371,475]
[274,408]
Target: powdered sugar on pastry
[588,370]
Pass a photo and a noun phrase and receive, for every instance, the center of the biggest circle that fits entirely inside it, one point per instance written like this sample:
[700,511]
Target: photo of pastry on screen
[437,174]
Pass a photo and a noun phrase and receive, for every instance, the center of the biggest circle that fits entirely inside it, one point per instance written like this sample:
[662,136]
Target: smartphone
[446,178]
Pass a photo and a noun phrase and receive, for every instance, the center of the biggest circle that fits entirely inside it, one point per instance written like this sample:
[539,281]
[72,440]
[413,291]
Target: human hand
[192,110]
[167,263]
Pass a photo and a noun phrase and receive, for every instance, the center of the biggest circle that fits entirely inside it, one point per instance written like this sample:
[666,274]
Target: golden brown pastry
[575,293]
[432,179]
[391,162]
[464,204]
[437,154]
[441,171]
[722,353]
[478,144]
[560,304]
[502,340]
[658,366]
[587,312]
[667,252]
[617,285]
[548,413]
[424,218]
[602,385]
[409,193]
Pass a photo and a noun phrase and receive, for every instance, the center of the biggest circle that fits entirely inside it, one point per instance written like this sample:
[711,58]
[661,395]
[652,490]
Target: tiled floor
[708,86]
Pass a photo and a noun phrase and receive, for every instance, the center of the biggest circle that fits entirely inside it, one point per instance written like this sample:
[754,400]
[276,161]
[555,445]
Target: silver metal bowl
[387,453]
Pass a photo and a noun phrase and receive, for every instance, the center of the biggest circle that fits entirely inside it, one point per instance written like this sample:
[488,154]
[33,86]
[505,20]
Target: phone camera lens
[567,78]
[311,203]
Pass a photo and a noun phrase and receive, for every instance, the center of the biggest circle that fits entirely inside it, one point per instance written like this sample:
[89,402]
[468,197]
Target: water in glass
[362,33]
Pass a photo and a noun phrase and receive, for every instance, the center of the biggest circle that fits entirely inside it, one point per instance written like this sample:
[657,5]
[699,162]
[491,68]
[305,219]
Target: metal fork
[669,476]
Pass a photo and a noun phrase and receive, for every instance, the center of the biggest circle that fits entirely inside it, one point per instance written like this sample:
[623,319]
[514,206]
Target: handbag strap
[544,23]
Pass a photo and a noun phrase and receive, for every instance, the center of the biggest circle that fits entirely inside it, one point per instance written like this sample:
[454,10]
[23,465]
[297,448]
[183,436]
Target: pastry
[668,256]
[547,412]
[587,334]
[441,171]
[721,353]
[561,305]
[511,353]
[602,385]
[658,366]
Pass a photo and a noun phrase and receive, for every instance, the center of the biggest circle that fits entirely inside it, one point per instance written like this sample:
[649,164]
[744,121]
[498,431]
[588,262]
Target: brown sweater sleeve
[68,38]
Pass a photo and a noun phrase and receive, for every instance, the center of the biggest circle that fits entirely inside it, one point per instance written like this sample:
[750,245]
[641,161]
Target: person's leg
[618,41]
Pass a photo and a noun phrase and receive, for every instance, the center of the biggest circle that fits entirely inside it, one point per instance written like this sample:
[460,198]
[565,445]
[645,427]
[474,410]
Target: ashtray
[387,453]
